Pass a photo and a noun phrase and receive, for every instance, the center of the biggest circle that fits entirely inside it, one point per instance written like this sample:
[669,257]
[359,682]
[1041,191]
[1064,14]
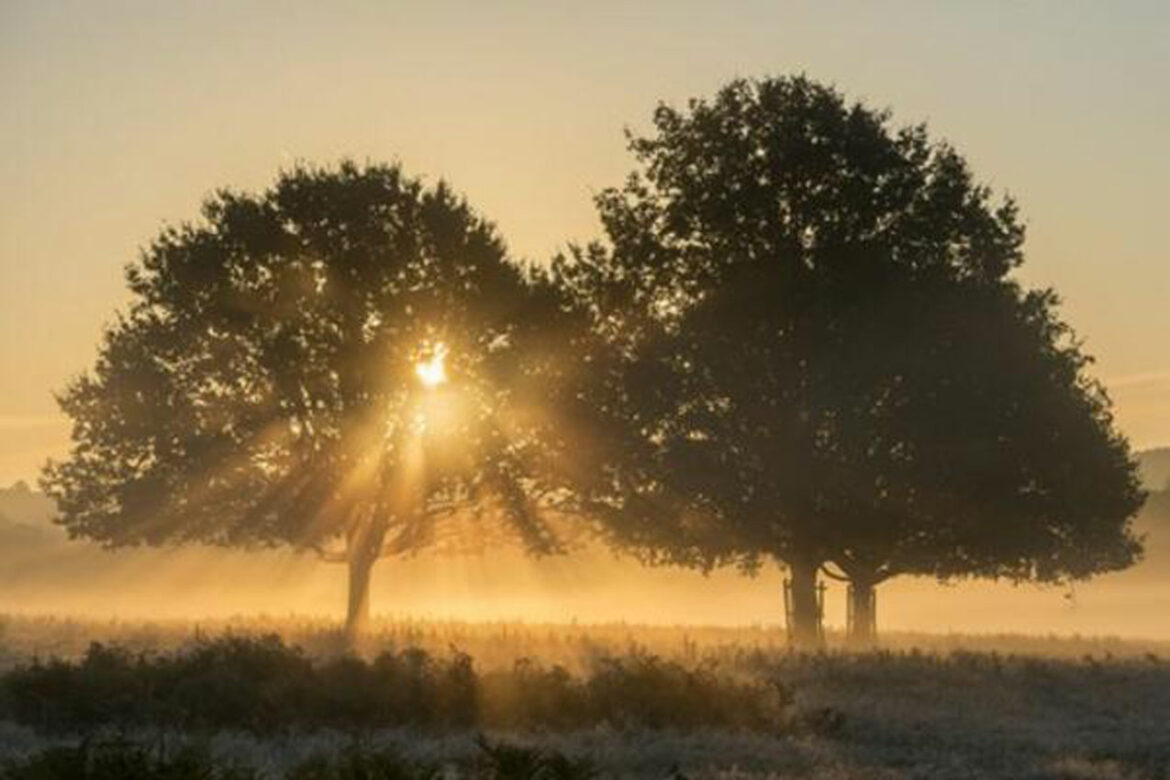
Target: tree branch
[834,575]
[329,556]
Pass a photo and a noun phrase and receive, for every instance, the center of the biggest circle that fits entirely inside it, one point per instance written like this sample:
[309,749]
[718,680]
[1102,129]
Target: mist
[43,572]
[622,391]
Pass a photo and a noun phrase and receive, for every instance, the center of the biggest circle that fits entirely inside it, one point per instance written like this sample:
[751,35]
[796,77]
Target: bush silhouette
[262,685]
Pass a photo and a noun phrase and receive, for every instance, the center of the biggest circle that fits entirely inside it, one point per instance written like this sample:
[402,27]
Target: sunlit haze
[121,117]
[495,389]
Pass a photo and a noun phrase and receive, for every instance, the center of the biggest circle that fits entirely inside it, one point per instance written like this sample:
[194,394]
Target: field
[610,700]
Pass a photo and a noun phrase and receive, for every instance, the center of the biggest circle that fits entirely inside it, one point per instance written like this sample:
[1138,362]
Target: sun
[433,372]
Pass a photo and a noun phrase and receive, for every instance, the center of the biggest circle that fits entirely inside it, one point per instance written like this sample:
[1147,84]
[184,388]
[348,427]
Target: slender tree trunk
[357,614]
[862,628]
[364,548]
[804,629]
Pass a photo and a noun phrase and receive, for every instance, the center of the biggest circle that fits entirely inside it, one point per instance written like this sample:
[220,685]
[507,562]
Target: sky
[120,117]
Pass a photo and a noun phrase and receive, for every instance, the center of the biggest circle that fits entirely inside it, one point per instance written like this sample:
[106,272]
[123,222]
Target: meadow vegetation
[262,685]
[118,758]
[235,701]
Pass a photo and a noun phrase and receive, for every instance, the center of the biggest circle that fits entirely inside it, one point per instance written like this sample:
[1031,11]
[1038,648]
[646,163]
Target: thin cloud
[16,422]
[1139,379]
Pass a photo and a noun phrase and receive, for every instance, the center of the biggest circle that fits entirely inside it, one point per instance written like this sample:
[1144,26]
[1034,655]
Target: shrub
[531,695]
[262,685]
[640,689]
[504,761]
[360,764]
[108,686]
[119,759]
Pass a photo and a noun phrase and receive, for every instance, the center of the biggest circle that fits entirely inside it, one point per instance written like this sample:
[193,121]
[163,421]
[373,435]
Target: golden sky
[118,117]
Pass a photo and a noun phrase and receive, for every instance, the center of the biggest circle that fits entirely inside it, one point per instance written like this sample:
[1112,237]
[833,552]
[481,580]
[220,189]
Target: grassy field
[499,643]
[921,706]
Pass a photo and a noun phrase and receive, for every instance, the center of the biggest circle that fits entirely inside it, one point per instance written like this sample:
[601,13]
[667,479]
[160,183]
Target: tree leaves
[261,388]
[824,351]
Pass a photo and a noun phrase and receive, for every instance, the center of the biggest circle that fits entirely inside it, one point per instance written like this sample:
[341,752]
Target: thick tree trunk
[804,627]
[357,615]
[862,623]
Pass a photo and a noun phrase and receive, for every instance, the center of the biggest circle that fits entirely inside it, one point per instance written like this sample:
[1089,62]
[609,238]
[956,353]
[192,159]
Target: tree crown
[831,358]
[263,386]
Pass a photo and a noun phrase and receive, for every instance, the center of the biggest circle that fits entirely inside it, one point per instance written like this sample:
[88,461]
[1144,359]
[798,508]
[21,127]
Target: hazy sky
[118,117]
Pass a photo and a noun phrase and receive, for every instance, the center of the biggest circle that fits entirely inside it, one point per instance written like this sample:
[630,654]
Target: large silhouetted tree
[978,446]
[825,358]
[346,363]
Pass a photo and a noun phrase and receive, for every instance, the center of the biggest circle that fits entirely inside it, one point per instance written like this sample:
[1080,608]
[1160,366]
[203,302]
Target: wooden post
[788,608]
[821,588]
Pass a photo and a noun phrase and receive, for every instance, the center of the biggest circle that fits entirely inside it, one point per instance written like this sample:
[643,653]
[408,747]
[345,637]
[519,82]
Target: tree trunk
[363,549]
[357,615]
[862,623]
[804,626]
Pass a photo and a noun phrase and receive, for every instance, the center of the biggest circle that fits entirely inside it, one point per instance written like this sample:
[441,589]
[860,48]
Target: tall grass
[497,644]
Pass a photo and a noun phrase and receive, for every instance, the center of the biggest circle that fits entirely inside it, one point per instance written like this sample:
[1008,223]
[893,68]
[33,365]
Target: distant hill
[22,505]
[28,539]
[1154,466]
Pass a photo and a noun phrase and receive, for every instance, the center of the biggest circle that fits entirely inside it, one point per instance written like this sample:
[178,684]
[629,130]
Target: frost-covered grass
[922,707]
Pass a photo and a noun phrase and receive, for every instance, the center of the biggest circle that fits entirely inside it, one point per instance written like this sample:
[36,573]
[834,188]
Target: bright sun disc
[433,372]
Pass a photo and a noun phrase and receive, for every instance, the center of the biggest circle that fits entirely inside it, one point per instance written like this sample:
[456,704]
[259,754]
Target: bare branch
[839,576]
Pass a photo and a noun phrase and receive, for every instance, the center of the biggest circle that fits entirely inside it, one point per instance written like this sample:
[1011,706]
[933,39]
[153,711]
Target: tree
[808,304]
[1000,459]
[347,363]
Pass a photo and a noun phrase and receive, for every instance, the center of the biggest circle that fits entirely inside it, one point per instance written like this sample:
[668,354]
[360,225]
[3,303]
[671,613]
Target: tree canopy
[828,358]
[335,364]
[802,340]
